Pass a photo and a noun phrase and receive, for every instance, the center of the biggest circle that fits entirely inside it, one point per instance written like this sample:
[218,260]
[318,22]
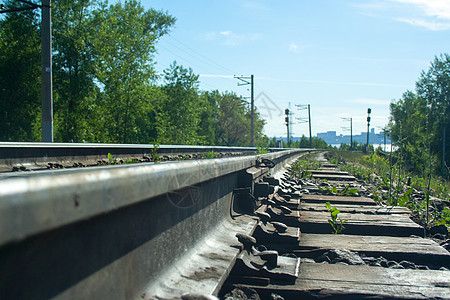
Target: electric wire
[223,68]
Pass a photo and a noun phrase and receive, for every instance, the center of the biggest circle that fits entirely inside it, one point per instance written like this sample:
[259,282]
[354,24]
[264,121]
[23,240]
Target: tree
[273,142]
[74,88]
[408,130]
[20,71]
[234,125]
[124,57]
[179,116]
[434,87]
[418,120]
[104,81]
[209,117]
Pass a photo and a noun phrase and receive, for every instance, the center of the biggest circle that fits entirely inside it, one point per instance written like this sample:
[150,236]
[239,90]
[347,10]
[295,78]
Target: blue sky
[339,56]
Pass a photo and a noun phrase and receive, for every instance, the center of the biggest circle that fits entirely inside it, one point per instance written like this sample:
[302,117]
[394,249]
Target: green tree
[434,87]
[209,117]
[418,120]
[20,70]
[146,128]
[179,116]
[319,143]
[261,140]
[124,49]
[408,130]
[273,142]
[74,89]
[234,123]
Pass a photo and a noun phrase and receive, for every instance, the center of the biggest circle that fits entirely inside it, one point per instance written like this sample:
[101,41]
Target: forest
[420,119]
[106,88]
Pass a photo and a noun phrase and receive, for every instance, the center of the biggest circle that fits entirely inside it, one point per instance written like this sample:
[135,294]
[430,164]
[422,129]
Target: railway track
[380,253]
[235,226]
[43,156]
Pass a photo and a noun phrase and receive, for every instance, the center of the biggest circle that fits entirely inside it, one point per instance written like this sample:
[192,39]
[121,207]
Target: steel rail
[80,232]
[74,195]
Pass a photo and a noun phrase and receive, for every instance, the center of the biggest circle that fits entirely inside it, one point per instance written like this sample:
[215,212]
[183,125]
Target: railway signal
[368,127]
[286,119]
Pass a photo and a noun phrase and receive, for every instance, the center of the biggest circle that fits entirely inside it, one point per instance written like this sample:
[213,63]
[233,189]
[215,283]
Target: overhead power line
[203,57]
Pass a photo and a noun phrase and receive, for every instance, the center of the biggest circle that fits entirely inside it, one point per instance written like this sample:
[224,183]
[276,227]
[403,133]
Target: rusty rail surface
[128,231]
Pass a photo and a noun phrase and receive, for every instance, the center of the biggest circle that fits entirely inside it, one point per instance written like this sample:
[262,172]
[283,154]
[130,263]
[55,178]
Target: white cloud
[430,14]
[230,38]
[433,8]
[435,26]
[435,14]
[293,48]
[296,48]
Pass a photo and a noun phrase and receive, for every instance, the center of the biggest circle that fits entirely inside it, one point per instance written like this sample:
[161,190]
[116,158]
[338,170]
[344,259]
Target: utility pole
[368,126]
[385,133]
[47,95]
[287,112]
[309,121]
[46,62]
[351,134]
[303,120]
[245,81]
[351,131]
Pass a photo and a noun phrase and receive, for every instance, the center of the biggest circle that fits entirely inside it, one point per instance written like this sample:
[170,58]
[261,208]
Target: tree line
[106,88]
[419,121]
[303,142]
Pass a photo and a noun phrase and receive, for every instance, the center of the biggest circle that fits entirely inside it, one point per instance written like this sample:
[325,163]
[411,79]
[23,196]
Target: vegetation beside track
[427,197]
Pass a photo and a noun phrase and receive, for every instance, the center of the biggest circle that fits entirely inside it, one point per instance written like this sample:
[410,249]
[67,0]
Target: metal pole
[252,112]
[351,134]
[367,144]
[286,119]
[368,126]
[288,138]
[46,73]
[309,121]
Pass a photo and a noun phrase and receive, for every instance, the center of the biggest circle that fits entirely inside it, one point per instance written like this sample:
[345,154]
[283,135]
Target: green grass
[395,186]
[300,169]
[262,150]
[210,154]
[336,223]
